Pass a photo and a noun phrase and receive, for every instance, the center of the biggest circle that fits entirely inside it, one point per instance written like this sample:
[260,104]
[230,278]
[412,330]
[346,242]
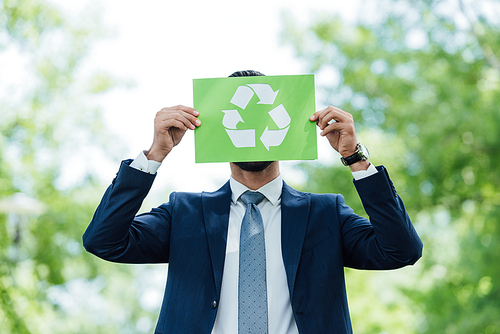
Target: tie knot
[251,197]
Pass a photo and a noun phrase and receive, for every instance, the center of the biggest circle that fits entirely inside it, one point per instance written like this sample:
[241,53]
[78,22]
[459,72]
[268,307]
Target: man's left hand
[337,126]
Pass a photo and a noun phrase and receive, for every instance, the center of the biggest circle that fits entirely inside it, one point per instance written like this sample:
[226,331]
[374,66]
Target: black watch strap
[357,156]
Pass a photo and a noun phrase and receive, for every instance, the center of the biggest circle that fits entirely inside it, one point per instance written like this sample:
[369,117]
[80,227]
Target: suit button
[214,304]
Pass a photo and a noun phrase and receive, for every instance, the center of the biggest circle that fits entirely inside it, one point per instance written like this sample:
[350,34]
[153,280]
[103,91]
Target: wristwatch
[360,155]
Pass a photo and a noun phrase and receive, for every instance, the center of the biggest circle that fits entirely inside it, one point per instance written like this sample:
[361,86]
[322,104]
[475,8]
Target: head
[253,166]
[247,73]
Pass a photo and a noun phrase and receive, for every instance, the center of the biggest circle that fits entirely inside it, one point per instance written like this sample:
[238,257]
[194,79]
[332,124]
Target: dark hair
[248,73]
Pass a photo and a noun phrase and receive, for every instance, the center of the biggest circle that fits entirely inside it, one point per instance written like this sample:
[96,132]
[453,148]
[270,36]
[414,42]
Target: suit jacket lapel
[295,207]
[216,217]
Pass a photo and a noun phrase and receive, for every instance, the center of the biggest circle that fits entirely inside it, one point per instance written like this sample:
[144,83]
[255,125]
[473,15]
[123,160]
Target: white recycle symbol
[246,138]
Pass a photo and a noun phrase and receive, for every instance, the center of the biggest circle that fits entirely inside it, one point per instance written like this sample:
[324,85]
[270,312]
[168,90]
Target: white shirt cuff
[361,174]
[147,166]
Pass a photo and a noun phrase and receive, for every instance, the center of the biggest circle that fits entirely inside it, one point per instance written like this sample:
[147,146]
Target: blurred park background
[80,83]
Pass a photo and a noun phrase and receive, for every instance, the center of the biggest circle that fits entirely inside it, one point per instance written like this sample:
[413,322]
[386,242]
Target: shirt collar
[271,190]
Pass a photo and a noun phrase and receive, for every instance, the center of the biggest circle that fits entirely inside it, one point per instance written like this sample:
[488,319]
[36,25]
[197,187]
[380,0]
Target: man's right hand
[170,126]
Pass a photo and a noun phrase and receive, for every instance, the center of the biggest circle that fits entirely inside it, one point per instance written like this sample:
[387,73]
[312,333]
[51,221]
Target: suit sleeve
[116,234]
[388,240]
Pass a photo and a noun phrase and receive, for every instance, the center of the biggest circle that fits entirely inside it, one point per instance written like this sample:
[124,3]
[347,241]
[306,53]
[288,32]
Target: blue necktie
[252,286]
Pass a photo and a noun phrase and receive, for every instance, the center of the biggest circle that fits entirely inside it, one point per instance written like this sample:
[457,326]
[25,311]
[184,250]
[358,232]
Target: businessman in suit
[307,239]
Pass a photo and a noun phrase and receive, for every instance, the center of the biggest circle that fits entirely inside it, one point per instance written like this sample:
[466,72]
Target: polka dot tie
[252,286]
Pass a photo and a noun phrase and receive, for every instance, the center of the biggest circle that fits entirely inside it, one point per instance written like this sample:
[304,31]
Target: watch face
[364,150]
[360,154]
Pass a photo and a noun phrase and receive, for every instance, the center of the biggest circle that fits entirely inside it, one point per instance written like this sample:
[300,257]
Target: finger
[314,117]
[192,118]
[183,119]
[326,116]
[331,127]
[164,122]
[344,128]
[184,114]
[343,116]
[188,119]
[189,110]
[175,123]
[317,114]
[181,107]
[332,114]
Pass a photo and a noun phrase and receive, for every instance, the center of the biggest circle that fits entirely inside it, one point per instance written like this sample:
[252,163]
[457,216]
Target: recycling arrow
[231,118]
[242,138]
[241,99]
[280,116]
[265,93]
[242,96]
[273,137]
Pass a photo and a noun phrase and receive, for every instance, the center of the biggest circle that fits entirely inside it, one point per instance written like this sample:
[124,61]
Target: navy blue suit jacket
[320,236]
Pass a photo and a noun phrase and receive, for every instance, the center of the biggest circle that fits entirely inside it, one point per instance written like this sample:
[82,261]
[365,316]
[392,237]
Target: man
[255,256]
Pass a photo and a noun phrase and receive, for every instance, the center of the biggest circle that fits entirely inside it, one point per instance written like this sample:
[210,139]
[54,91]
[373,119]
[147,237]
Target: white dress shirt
[280,315]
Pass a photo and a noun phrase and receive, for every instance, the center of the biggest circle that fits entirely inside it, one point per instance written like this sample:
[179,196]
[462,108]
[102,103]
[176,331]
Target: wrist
[345,154]
[156,155]
[359,166]
[361,154]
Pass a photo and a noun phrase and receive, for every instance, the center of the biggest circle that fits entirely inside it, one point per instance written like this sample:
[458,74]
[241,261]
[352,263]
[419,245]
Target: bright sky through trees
[160,46]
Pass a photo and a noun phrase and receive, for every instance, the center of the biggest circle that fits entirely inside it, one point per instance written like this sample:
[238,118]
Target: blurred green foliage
[48,284]
[422,80]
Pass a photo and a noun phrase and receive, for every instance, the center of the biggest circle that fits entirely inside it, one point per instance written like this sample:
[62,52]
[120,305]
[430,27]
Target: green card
[264,118]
